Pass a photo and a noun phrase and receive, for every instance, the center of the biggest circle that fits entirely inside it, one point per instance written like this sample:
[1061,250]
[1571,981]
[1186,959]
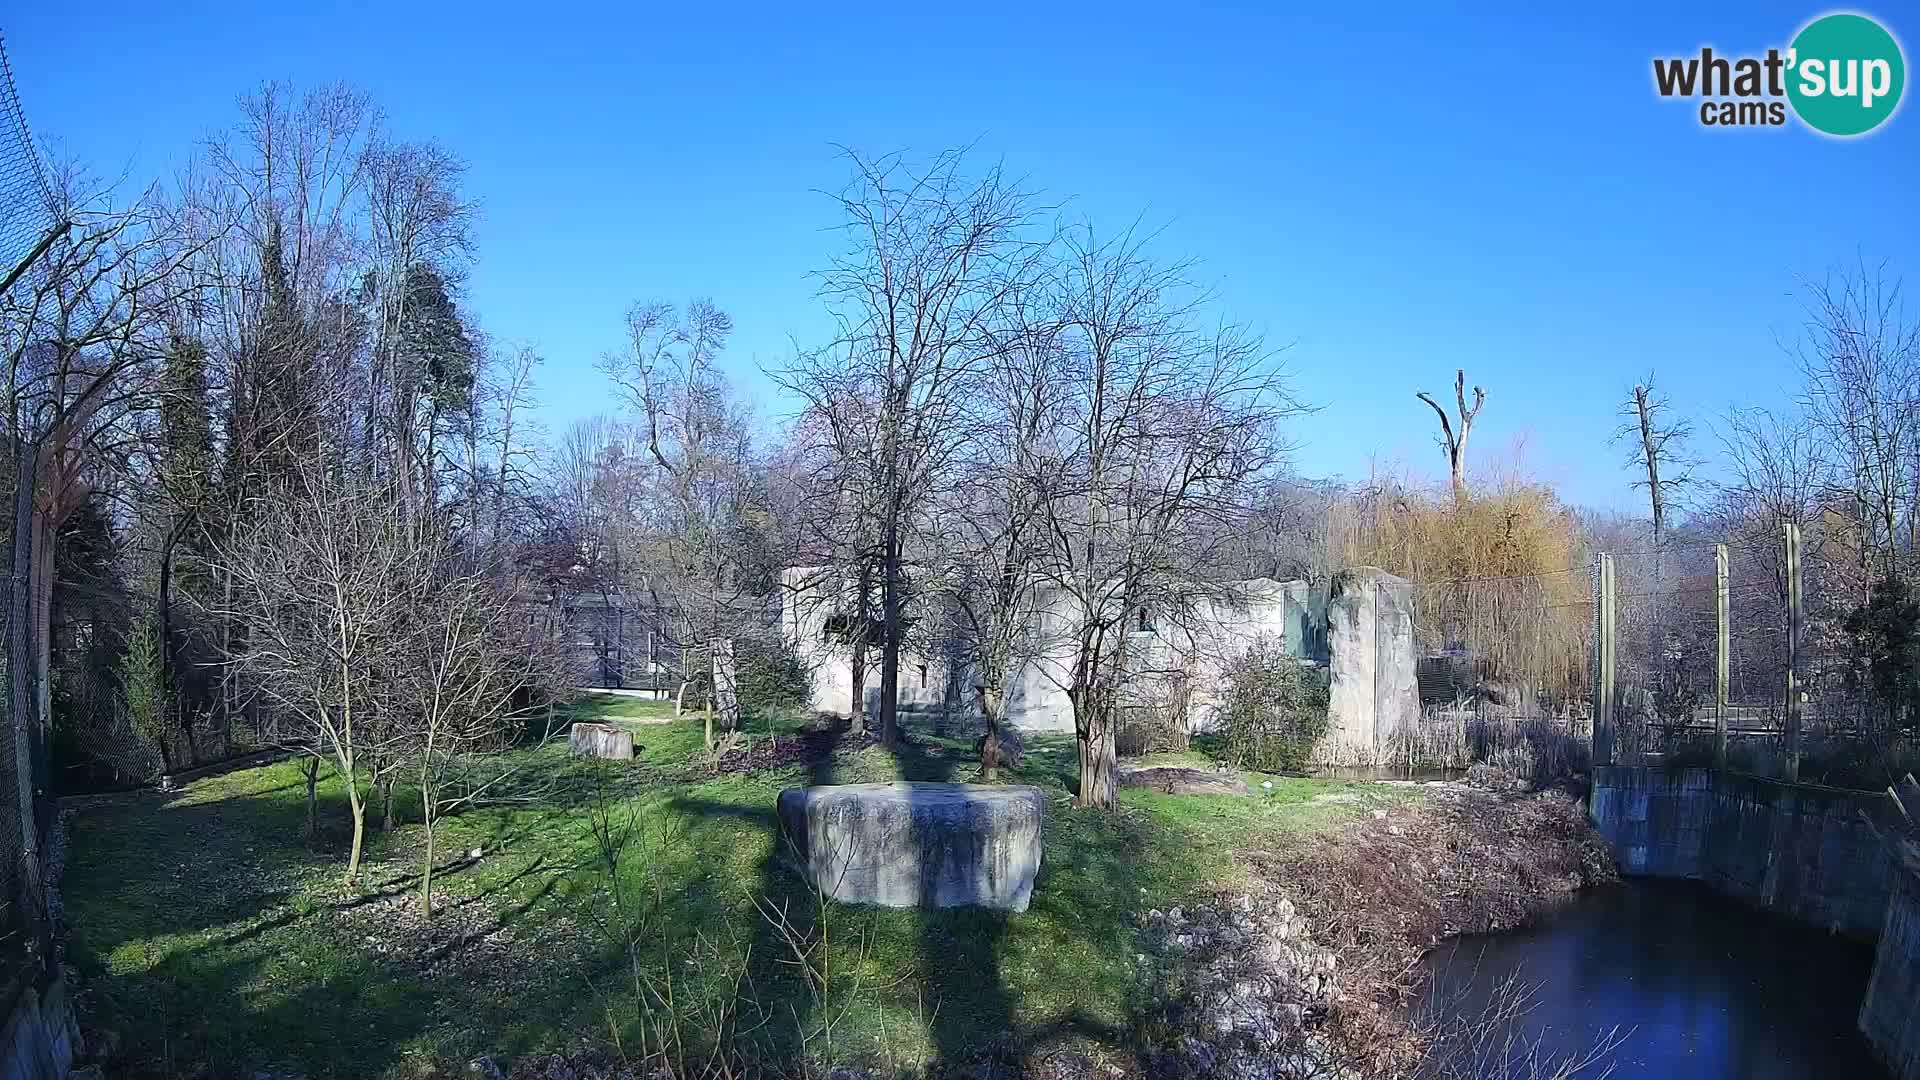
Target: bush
[1517,755]
[1274,709]
[772,676]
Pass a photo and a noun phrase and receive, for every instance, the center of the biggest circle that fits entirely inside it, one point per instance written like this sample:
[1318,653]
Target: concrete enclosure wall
[1797,849]
[1373,685]
[1890,1014]
[40,1039]
[1165,650]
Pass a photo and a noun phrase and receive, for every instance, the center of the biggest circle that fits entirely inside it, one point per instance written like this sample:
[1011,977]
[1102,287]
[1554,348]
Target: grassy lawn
[212,937]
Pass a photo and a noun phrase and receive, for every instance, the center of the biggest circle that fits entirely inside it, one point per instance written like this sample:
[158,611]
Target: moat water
[1695,984]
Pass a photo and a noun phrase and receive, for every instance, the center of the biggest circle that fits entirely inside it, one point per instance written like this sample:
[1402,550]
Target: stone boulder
[1181,780]
[917,844]
[601,741]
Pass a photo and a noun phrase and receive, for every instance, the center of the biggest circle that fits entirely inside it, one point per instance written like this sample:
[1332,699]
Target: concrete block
[601,741]
[917,844]
[1888,1012]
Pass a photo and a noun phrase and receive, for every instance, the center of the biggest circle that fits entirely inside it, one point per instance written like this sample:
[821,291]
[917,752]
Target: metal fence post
[1722,647]
[1603,718]
[1792,540]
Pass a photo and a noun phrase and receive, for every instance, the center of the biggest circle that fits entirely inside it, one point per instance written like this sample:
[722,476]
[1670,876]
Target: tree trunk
[857,704]
[1098,760]
[891,599]
[42,605]
[313,802]
[386,805]
[990,749]
[426,864]
[20,695]
[356,809]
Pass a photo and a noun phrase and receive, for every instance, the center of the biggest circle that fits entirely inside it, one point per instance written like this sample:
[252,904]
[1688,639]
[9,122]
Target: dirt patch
[1179,780]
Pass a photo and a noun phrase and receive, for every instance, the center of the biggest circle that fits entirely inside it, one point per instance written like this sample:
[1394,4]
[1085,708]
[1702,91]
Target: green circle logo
[1845,74]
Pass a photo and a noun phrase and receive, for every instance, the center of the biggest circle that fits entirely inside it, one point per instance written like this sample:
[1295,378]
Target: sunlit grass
[211,935]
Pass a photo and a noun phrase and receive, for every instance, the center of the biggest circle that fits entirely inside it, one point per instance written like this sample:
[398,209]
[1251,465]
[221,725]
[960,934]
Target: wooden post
[1603,730]
[1793,652]
[1722,647]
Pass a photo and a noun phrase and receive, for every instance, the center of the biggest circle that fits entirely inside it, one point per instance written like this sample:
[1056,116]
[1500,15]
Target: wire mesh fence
[28,224]
[27,210]
[1758,655]
[1502,669]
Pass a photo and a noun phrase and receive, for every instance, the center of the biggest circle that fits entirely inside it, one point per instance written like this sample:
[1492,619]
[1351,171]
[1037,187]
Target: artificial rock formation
[917,844]
[1374,697]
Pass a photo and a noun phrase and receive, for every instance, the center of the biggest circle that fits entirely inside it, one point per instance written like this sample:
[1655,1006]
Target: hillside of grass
[213,938]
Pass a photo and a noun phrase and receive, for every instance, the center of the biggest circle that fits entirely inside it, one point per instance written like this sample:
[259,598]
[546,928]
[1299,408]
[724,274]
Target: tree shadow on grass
[206,945]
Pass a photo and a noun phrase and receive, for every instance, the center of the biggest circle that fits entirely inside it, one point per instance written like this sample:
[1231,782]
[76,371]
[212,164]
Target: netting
[27,209]
[1667,702]
[27,217]
[1500,662]
[1666,649]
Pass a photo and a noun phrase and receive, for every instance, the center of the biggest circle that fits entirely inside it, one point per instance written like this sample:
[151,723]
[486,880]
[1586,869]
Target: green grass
[212,938]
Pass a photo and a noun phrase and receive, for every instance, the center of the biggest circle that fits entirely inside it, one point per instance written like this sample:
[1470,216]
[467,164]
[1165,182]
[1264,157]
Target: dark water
[1711,988]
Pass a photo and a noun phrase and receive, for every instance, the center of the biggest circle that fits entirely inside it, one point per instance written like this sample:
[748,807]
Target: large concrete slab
[917,844]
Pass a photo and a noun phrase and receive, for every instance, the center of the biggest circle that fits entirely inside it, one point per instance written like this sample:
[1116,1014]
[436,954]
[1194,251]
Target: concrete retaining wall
[40,1039]
[1797,849]
[1892,1005]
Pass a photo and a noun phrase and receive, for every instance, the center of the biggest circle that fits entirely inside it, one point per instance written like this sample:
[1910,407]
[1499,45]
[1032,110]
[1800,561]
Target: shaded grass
[213,938]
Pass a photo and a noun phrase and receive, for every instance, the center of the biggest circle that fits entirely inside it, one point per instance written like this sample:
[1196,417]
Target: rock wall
[1798,849]
[1890,1014]
[40,1039]
[1374,693]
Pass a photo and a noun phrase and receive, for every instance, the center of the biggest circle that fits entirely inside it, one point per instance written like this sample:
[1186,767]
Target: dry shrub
[1502,574]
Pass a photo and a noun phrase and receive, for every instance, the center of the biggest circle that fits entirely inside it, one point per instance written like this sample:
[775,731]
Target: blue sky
[1394,192]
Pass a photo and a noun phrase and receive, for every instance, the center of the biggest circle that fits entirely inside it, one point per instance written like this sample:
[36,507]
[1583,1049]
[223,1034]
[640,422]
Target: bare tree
[324,573]
[931,255]
[80,334]
[1160,426]
[1454,443]
[1861,360]
[470,673]
[1659,449]
[994,512]
[700,444]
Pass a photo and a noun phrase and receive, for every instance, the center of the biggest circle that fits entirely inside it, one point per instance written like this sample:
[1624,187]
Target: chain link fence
[1502,672]
[29,222]
[1759,656]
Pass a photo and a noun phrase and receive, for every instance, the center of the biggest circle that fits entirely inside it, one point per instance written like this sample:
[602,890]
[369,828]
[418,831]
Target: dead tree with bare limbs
[1658,442]
[1454,443]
